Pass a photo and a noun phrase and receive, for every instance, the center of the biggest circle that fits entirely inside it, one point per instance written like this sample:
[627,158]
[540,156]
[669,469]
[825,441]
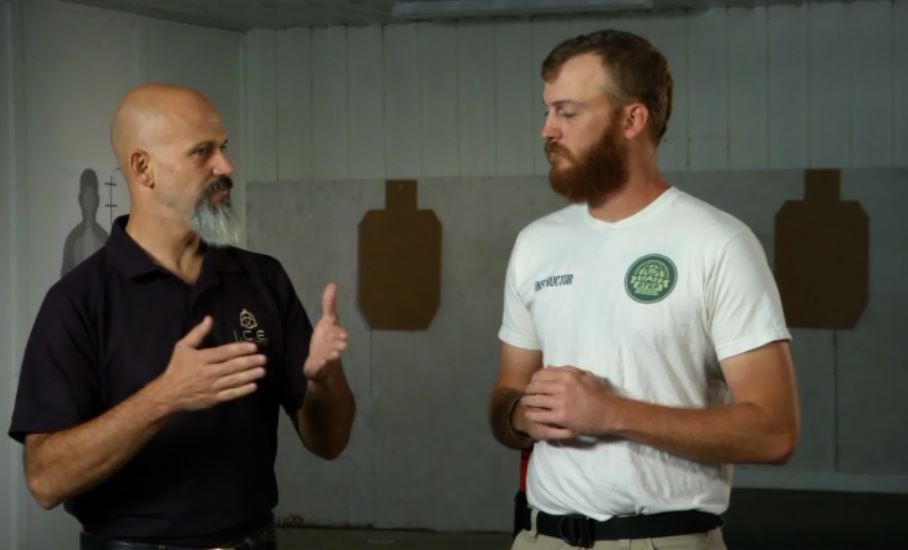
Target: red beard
[599,172]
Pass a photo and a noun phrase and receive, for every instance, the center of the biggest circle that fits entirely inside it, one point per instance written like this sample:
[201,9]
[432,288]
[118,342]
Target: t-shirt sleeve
[745,311]
[517,327]
[297,332]
[58,383]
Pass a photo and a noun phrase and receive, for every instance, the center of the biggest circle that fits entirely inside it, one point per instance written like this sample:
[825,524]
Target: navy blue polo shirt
[108,328]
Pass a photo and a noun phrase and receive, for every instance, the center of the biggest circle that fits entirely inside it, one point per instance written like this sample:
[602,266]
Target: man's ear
[140,168]
[636,117]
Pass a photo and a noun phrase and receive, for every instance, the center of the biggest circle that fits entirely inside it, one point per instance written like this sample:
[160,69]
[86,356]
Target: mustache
[552,147]
[223,182]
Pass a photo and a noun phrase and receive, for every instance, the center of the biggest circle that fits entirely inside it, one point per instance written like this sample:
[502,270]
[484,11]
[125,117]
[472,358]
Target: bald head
[153,114]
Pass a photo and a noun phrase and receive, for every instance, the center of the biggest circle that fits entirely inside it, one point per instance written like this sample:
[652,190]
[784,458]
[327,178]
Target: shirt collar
[133,261]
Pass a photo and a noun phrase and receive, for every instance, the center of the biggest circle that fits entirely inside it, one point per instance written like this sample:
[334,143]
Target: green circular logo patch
[650,279]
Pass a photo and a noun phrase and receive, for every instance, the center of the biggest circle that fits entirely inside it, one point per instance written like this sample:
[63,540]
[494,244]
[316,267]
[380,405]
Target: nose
[222,164]
[549,130]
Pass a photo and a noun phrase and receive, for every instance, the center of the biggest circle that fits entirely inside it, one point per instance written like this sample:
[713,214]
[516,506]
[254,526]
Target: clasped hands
[565,402]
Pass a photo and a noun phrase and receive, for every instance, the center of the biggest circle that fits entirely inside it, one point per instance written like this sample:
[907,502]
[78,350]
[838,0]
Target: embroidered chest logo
[650,279]
[554,280]
[249,330]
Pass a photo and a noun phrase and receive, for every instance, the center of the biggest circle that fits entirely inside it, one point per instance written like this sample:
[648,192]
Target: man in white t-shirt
[644,348]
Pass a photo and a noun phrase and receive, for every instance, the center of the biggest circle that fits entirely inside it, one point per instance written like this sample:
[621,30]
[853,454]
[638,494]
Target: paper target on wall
[100,200]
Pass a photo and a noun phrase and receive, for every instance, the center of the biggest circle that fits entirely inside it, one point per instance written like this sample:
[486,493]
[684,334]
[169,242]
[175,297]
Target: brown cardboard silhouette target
[822,255]
[399,261]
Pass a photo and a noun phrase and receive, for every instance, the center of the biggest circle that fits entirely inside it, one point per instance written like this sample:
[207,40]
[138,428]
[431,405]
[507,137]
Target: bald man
[153,377]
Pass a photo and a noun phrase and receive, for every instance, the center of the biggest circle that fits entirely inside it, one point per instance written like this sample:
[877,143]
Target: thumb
[198,333]
[329,301]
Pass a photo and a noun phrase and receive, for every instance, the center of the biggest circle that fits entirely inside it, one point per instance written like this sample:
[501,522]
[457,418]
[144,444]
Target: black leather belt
[577,530]
[263,540]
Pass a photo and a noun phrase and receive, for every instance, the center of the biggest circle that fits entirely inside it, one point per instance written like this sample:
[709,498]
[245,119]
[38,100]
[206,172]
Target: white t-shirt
[652,303]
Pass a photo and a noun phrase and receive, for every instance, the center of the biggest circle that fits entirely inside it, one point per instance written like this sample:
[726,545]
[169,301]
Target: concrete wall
[64,68]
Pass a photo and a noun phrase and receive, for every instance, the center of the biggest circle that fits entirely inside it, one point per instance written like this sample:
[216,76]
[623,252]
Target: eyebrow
[562,103]
[207,143]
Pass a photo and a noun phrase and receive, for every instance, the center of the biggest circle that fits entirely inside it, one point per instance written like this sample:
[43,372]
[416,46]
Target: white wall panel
[829,86]
[331,146]
[787,85]
[899,59]
[515,135]
[747,88]
[260,106]
[476,98]
[401,79]
[437,45]
[294,104]
[365,102]
[869,40]
[669,35]
[707,87]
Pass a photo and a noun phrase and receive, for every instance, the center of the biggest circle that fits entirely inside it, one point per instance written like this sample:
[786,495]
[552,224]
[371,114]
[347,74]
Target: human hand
[329,338]
[201,378]
[564,402]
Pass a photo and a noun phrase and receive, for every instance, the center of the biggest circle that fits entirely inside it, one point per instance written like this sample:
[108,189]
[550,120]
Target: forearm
[64,464]
[736,433]
[503,418]
[326,417]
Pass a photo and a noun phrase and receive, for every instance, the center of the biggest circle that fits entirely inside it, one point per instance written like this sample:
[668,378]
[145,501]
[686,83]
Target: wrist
[514,429]
[158,406]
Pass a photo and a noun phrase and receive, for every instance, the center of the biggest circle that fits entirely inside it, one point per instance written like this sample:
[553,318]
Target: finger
[235,393]
[238,379]
[238,364]
[553,374]
[194,337]
[228,351]
[539,401]
[544,388]
[546,416]
[329,297]
[545,431]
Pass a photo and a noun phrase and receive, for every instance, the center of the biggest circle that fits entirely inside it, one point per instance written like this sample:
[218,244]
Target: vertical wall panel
[708,100]
[476,98]
[787,86]
[669,35]
[294,104]
[829,92]
[10,467]
[331,146]
[402,102]
[899,58]
[871,83]
[260,106]
[365,102]
[747,88]
[514,83]
[437,45]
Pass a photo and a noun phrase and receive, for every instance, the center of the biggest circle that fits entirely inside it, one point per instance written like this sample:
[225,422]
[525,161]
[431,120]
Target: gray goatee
[216,225]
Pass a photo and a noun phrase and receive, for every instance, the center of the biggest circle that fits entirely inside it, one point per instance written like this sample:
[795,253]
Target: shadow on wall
[88,237]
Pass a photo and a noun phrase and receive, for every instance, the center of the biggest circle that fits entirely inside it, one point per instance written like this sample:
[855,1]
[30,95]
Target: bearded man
[643,345]
[152,380]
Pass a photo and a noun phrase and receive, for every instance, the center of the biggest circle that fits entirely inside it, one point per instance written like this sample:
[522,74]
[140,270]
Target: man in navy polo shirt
[152,380]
